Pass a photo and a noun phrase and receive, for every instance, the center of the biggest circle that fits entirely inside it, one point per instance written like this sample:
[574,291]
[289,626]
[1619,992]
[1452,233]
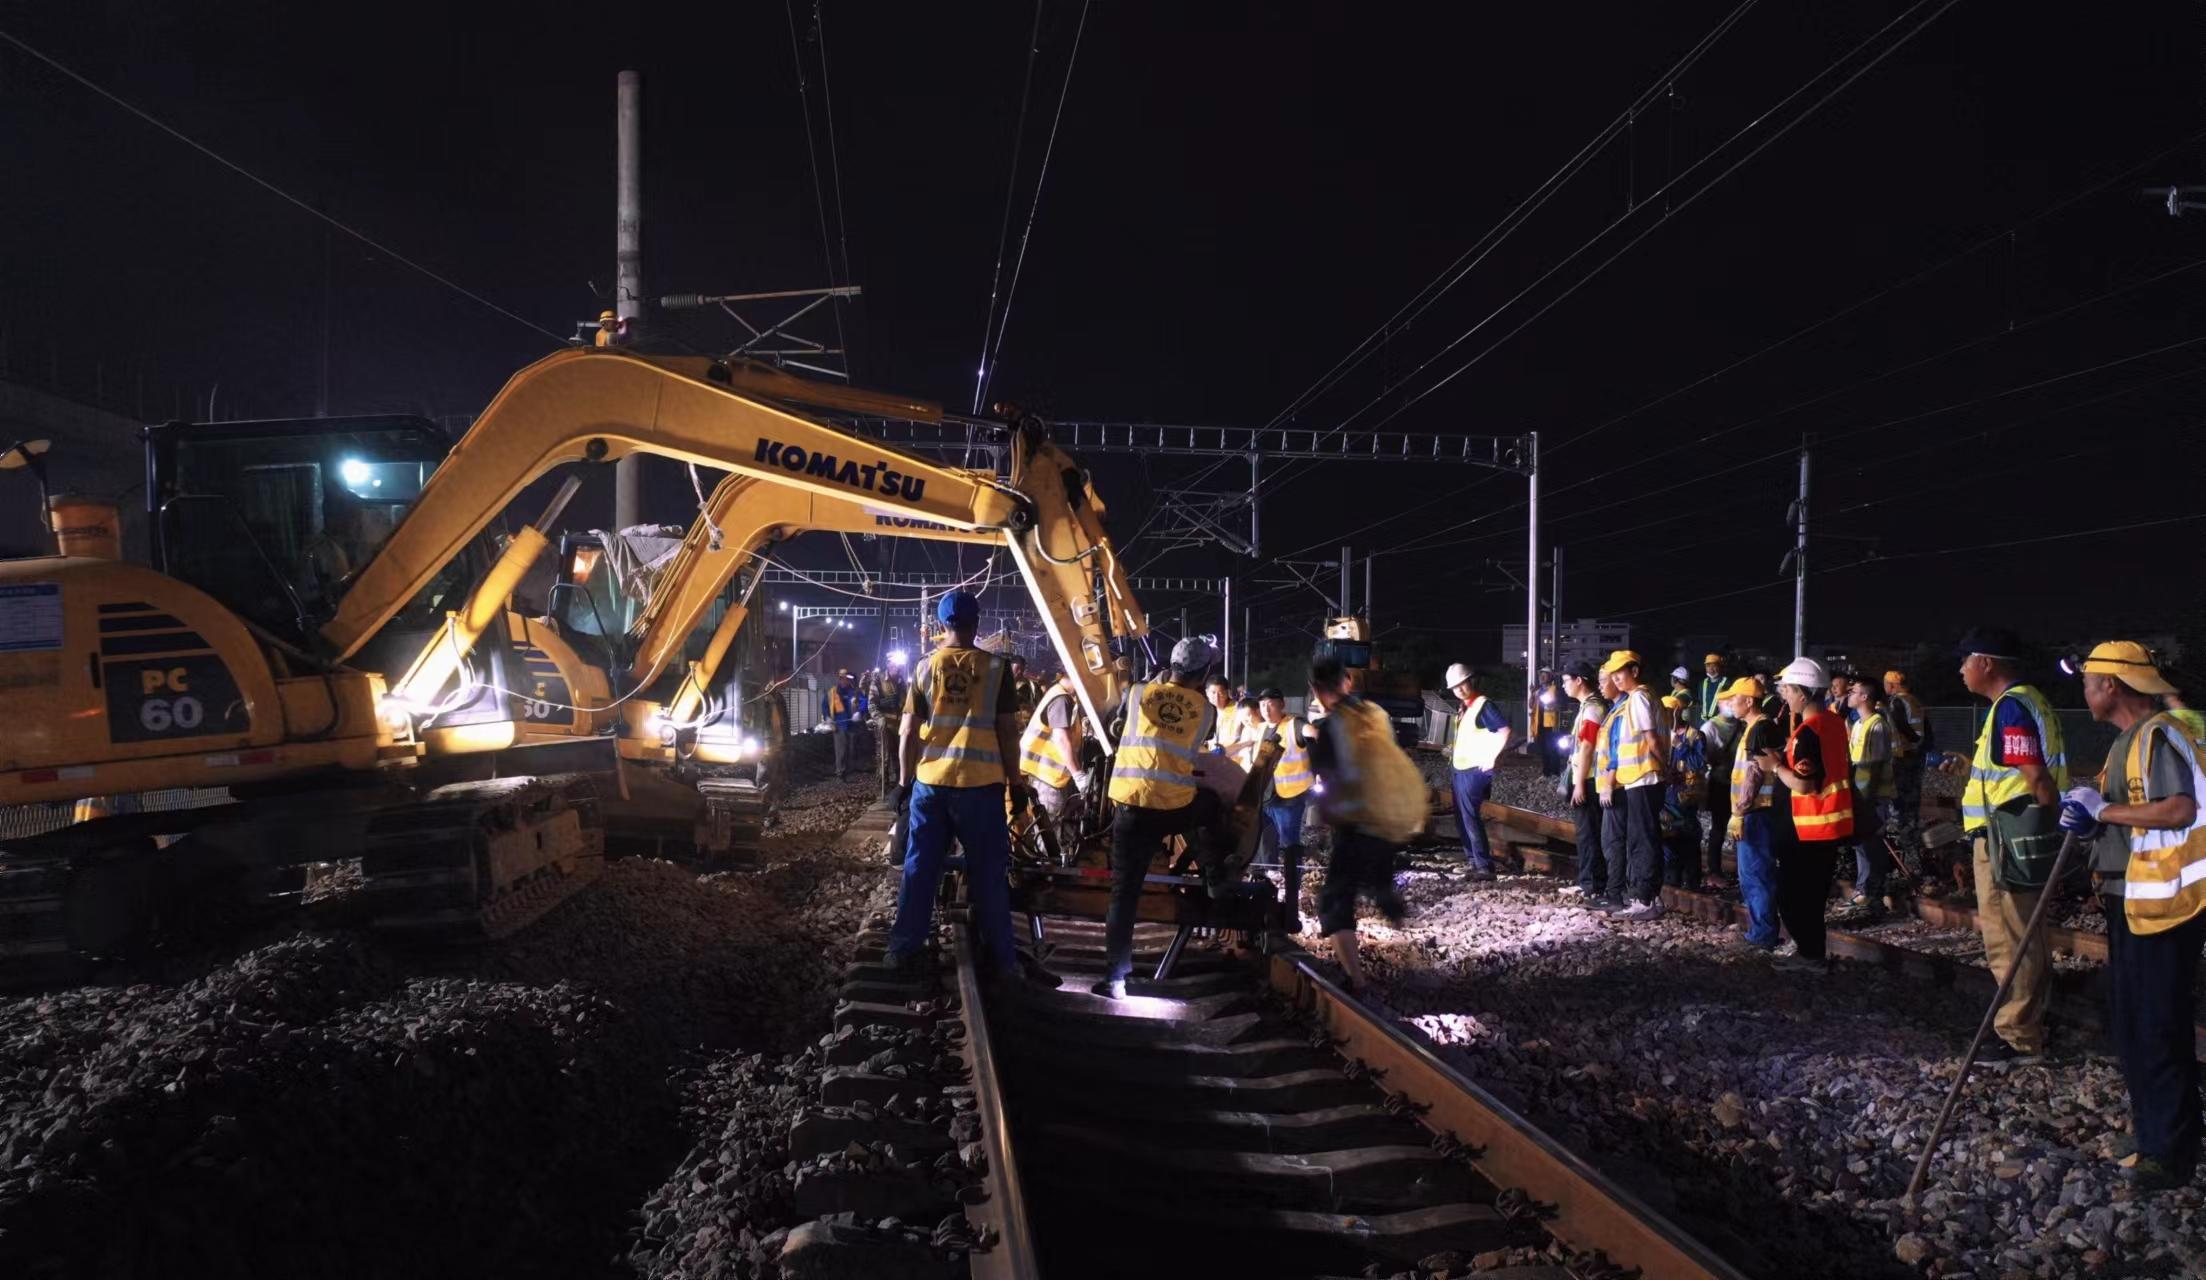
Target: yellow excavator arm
[789,473]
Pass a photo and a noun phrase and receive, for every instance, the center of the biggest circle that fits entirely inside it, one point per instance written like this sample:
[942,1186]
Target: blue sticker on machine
[30,617]
[194,696]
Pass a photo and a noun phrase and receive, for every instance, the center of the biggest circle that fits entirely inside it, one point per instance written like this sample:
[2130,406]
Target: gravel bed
[1775,1114]
[288,1100]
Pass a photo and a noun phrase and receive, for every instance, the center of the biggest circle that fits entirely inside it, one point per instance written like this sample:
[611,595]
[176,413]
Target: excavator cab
[273,518]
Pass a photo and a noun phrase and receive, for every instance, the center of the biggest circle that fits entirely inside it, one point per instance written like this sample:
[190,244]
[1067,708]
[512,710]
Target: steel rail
[1590,1210]
[1002,1210]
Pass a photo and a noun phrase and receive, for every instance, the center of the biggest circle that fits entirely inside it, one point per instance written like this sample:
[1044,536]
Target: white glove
[2093,803]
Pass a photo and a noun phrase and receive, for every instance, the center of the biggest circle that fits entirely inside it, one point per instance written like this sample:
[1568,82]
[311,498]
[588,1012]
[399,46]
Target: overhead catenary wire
[1925,554]
[2036,384]
[1010,198]
[1639,461]
[1485,245]
[812,155]
[1018,266]
[1654,225]
[1879,295]
[270,187]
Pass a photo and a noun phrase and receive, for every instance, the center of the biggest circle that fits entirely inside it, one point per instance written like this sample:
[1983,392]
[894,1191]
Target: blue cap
[958,607]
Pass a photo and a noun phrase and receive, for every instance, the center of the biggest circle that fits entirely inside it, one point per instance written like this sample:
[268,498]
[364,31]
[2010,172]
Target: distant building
[1587,639]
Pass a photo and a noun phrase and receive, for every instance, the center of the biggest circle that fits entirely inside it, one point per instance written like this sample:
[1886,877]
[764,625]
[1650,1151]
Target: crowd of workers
[1793,768]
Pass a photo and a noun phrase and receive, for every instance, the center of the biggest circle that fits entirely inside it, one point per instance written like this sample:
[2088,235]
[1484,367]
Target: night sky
[1238,195]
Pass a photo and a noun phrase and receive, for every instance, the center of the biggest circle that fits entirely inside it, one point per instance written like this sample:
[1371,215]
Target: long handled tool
[2006,982]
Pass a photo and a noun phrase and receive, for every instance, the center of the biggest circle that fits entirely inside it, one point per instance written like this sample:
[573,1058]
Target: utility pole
[628,275]
[1531,579]
[1347,605]
[1256,543]
[1800,558]
[1555,614]
[1367,563]
[1225,667]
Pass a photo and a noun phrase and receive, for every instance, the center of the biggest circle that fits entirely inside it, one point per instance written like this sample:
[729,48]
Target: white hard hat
[1805,672]
[1457,674]
[1680,673]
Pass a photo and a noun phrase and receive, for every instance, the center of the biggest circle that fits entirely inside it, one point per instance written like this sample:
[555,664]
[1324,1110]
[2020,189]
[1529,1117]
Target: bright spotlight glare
[353,471]
[897,657]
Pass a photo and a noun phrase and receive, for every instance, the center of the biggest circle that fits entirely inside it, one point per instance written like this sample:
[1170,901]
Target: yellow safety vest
[1155,764]
[1874,780]
[1630,759]
[1992,786]
[1291,776]
[1038,753]
[1761,795]
[958,741]
[2195,721]
[2164,883]
[1476,748]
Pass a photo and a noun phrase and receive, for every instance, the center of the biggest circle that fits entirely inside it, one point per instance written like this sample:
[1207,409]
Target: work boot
[2152,1174]
[1110,989]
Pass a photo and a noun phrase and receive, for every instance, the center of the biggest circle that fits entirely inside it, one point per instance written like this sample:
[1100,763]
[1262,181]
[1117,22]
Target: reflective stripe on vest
[1764,792]
[1992,786]
[2164,883]
[958,741]
[1476,748]
[1826,813]
[1155,764]
[1874,778]
[1291,776]
[1038,753]
[1635,760]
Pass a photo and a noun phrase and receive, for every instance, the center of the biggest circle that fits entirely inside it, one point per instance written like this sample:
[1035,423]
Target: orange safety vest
[1826,813]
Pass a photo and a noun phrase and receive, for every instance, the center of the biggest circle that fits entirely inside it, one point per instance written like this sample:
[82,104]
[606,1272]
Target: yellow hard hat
[1618,660]
[2129,662]
[1672,701]
[1707,658]
[1743,687]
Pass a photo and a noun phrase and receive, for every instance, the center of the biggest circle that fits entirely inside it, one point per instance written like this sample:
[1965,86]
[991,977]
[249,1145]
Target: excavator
[294,563]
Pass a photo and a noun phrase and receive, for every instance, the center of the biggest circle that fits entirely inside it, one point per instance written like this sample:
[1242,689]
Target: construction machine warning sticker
[159,698]
[30,617]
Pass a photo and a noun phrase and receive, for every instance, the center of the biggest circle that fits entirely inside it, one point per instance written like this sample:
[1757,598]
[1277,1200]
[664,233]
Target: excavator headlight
[749,747]
[659,726]
[395,714]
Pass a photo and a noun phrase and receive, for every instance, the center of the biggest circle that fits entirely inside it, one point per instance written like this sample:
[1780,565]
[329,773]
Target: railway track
[1246,1113]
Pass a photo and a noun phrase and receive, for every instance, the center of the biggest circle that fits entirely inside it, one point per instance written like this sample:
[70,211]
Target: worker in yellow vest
[1163,725]
[1635,747]
[1869,746]
[1279,840]
[1225,717]
[958,734]
[1481,735]
[1049,755]
[2014,784]
[2149,864]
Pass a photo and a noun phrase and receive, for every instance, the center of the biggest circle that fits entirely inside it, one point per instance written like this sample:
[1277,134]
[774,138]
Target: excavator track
[735,816]
[481,860]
